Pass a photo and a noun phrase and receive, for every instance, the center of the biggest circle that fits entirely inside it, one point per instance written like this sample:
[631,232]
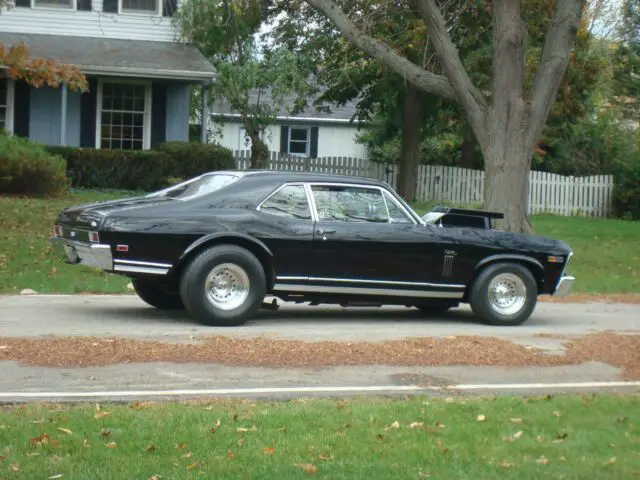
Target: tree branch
[555,58]
[469,96]
[427,81]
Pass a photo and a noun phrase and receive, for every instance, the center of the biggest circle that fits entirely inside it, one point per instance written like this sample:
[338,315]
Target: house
[309,133]
[140,75]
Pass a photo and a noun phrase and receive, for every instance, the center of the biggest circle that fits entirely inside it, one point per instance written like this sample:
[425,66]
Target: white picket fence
[548,192]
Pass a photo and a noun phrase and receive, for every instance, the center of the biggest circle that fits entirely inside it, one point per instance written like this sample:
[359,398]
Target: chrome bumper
[94,255]
[564,286]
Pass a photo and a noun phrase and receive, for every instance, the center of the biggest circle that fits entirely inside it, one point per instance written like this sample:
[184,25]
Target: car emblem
[73,234]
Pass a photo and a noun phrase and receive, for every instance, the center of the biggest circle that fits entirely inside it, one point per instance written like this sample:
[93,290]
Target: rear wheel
[153,294]
[223,286]
[504,294]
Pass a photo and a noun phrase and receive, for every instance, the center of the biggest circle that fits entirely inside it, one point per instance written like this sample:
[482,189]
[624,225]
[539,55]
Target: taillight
[94,237]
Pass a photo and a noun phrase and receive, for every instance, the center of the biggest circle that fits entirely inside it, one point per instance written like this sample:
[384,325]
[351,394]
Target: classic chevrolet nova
[217,244]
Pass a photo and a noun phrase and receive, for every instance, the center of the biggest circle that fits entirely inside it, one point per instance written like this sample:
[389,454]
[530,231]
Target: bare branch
[555,58]
[427,81]
[469,96]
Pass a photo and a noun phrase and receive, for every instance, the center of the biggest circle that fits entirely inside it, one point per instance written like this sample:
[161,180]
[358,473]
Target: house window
[124,115]
[6,104]
[54,3]
[299,141]
[146,6]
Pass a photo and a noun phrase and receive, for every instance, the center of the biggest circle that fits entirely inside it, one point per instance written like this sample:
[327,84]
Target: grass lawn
[606,260]
[556,437]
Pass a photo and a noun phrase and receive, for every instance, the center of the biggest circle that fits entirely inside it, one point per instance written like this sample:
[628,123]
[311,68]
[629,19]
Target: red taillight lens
[94,237]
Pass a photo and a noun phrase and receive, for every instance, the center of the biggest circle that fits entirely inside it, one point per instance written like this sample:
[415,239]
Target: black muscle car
[217,244]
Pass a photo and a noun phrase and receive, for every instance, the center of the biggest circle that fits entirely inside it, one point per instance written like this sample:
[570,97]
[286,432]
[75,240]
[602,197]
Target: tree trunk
[468,155]
[411,138]
[259,150]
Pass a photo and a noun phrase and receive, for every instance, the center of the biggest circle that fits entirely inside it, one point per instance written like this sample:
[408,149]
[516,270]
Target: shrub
[119,169]
[27,168]
[192,159]
[626,190]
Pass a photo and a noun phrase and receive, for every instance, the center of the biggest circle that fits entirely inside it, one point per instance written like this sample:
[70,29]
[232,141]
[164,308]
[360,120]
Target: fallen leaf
[516,420]
[416,425]
[561,437]
[442,446]
[557,413]
[180,446]
[31,454]
[187,455]
[542,460]
[105,433]
[100,415]
[56,476]
[65,430]
[154,477]
[37,422]
[218,423]
[54,458]
[505,464]
[307,467]
[324,457]
[111,445]
[611,461]
[540,438]
[193,466]
[4,347]
[282,429]
[240,442]
[395,424]
[518,434]
[244,430]
[439,424]
[137,406]
[150,448]
[379,437]
[2,457]
[15,467]
[268,451]
[230,454]
[481,418]
[563,459]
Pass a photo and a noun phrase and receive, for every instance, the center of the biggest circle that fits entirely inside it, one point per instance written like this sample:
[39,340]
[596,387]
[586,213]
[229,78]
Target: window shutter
[314,142]
[110,6]
[21,109]
[168,7]
[23,3]
[158,114]
[284,139]
[84,5]
[88,105]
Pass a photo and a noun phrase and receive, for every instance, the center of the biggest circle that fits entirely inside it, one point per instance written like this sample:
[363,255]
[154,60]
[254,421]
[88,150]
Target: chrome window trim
[395,202]
[363,186]
[284,185]
[376,282]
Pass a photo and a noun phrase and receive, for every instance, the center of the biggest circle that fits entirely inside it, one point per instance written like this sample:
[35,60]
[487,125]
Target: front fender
[510,257]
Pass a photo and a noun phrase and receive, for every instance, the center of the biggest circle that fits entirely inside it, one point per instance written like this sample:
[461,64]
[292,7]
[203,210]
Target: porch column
[204,114]
[63,116]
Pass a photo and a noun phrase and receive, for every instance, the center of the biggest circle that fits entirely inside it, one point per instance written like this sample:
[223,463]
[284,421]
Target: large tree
[508,119]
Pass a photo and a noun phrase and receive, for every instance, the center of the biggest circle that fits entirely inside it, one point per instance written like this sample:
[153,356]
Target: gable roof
[337,114]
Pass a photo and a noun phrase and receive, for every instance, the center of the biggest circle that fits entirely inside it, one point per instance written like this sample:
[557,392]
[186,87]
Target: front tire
[223,286]
[504,294]
[154,295]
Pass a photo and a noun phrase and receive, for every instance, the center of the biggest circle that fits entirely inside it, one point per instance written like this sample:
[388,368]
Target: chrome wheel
[227,286]
[507,294]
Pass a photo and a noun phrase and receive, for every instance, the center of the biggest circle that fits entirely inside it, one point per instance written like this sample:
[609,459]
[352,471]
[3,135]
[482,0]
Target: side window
[396,214]
[290,201]
[349,204]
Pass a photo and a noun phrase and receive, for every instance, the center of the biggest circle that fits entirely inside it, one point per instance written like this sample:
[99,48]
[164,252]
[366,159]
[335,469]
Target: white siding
[52,21]
[333,140]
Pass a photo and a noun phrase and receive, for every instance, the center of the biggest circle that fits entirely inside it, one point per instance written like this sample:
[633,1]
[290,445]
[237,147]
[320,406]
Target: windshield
[196,187]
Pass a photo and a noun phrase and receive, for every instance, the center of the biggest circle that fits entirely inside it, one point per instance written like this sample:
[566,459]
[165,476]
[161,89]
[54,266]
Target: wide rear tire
[154,295]
[223,286]
[504,294]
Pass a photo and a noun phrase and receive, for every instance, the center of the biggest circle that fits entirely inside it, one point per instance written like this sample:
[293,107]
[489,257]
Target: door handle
[324,231]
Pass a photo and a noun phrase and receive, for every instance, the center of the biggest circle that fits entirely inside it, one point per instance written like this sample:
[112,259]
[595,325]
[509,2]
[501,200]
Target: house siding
[94,23]
[178,111]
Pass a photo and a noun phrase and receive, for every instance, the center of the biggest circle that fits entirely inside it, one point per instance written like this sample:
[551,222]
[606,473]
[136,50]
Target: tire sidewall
[193,279]
[479,296]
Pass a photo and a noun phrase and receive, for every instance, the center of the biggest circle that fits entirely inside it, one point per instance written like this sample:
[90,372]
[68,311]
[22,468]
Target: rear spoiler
[461,217]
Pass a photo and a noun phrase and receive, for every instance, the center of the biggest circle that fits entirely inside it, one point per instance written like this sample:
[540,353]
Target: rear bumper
[564,286]
[94,255]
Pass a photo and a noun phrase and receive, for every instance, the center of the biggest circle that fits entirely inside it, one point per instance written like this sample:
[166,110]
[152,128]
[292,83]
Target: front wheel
[504,294]
[223,286]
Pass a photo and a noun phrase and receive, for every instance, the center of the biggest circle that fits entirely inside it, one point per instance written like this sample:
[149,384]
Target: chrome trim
[377,282]
[366,291]
[565,284]
[95,255]
[144,264]
[312,203]
[134,269]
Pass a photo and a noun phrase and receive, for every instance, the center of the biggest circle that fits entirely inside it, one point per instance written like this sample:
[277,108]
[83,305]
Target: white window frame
[146,127]
[308,149]
[9,107]
[72,8]
[157,12]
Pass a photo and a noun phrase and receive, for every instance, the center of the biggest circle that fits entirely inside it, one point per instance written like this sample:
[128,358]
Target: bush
[626,190]
[192,159]
[27,168]
[118,169]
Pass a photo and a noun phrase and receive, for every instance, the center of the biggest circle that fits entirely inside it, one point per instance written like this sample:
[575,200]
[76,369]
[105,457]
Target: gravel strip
[621,351]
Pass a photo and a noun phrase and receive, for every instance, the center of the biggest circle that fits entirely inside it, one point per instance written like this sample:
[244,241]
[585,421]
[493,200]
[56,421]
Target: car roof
[289,176]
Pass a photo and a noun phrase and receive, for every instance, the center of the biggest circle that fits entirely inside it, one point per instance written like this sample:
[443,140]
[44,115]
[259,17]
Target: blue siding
[45,116]
[178,111]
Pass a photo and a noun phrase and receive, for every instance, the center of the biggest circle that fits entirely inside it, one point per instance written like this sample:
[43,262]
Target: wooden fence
[549,193]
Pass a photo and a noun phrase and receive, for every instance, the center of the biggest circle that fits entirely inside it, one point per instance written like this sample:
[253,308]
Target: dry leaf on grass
[307,467]
[268,451]
[193,466]
[557,413]
[416,425]
[65,430]
[282,429]
[481,418]
[154,477]
[516,420]
[611,461]
[105,433]
[542,460]
[395,424]
[324,457]
[55,476]
[244,430]
[180,446]
[505,464]
[111,445]
[187,455]
[37,422]
[150,448]
[14,467]
[100,415]
[230,454]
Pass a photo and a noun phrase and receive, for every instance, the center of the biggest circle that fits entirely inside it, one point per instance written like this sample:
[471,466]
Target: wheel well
[538,275]
[265,259]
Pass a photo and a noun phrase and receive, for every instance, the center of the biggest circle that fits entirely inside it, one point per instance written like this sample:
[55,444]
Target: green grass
[562,437]
[606,252]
